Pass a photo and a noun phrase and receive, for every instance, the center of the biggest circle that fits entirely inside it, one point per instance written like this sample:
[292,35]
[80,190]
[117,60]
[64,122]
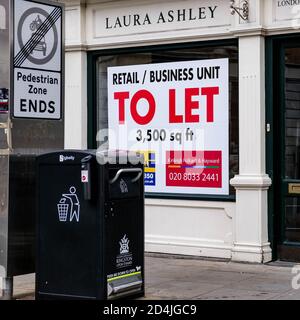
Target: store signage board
[286,10]
[118,20]
[176,114]
[37,60]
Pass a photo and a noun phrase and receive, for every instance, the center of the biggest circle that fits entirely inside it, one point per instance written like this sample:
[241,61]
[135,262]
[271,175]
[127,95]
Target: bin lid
[64,156]
[103,156]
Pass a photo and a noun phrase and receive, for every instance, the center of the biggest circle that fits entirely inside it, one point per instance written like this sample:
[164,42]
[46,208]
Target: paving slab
[235,294]
[168,277]
[175,290]
[290,295]
[271,285]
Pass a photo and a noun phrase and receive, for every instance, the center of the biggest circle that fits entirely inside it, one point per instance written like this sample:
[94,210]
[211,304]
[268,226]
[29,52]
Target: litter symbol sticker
[37,36]
[69,207]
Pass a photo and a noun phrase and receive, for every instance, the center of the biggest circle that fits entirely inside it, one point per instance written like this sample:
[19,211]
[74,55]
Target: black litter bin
[90,225]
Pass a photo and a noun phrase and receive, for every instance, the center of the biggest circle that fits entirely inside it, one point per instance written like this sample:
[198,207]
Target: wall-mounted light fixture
[243,11]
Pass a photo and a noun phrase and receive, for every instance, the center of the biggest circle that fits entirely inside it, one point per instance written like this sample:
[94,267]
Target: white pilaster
[251,228]
[75,100]
[75,77]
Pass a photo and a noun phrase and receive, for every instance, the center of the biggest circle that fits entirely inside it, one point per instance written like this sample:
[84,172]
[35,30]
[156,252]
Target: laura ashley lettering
[180,15]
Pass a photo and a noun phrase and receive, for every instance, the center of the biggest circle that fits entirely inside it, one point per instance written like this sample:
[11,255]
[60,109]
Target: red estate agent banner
[202,169]
[177,115]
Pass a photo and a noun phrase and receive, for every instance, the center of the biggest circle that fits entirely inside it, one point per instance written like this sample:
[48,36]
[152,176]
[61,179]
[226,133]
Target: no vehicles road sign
[37,59]
[37,36]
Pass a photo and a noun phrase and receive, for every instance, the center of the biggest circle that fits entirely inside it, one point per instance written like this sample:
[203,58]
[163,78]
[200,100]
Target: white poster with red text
[177,115]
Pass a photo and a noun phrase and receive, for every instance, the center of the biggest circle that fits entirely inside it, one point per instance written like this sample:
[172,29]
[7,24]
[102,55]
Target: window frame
[92,57]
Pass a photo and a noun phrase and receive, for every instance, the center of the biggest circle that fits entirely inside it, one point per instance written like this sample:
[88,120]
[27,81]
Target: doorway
[286,150]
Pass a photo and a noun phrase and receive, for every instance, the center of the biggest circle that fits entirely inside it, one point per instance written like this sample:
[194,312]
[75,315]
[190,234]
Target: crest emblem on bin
[69,206]
[124,245]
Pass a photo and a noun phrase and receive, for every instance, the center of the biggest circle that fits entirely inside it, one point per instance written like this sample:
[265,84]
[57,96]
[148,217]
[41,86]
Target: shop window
[157,55]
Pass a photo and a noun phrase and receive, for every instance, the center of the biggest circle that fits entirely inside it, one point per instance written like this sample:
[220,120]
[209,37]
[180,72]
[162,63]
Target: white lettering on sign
[66,158]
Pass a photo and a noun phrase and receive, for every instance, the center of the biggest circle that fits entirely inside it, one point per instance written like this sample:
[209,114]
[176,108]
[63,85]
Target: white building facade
[258,221]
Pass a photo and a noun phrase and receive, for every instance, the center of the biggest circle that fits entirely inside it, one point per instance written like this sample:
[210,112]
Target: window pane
[292,219]
[184,54]
[292,113]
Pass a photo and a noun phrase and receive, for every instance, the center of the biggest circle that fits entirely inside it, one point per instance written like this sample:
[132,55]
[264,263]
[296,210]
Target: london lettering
[170,16]
[286,3]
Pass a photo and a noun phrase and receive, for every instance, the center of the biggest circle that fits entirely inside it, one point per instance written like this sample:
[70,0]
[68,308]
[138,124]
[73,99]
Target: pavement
[177,278]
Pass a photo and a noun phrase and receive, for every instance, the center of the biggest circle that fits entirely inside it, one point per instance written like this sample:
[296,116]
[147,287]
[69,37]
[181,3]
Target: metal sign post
[31,122]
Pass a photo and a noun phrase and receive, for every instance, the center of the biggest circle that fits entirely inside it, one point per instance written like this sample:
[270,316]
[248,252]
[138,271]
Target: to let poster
[177,115]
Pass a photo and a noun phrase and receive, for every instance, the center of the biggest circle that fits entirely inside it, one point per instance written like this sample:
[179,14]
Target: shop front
[207,90]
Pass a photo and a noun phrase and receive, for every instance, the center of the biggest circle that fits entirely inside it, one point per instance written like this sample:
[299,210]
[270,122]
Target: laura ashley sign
[170,16]
[166,16]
